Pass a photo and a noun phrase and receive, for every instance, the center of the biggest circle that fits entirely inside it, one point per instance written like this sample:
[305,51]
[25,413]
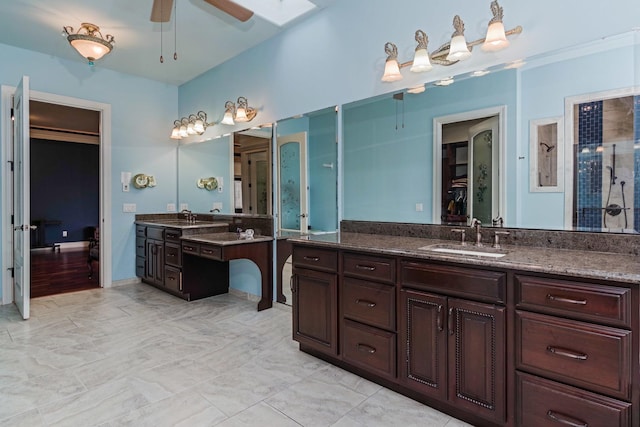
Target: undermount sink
[469,251]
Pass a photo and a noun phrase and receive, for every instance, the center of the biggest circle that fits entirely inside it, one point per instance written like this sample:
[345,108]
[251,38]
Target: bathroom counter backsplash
[577,263]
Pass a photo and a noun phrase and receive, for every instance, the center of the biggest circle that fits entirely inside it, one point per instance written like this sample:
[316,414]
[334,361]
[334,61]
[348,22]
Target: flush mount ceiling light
[89,42]
[449,53]
[238,112]
[194,124]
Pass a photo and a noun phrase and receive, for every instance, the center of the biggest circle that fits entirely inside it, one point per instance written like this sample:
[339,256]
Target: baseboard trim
[124,282]
[244,295]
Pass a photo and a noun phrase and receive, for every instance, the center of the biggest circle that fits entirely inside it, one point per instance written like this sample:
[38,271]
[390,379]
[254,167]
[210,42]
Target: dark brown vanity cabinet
[314,289]
[155,256]
[159,257]
[453,349]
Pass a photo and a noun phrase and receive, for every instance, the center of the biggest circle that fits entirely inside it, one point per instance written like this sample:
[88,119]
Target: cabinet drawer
[156,233]
[210,251]
[380,269]
[583,354]
[542,403]
[172,254]
[367,302]
[140,266]
[173,278]
[369,348]
[140,247]
[172,235]
[473,283]
[191,248]
[141,231]
[318,259]
[584,301]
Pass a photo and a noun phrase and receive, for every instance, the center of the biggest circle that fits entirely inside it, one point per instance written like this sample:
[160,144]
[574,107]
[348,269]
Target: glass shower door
[292,182]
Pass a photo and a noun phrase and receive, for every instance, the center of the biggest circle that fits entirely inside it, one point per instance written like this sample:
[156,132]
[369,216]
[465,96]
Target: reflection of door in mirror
[292,182]
[468,171]
[252,161]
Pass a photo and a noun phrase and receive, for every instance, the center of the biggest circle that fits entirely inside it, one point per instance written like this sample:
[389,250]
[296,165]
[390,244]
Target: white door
[21,205]
[483,198]
[293,207]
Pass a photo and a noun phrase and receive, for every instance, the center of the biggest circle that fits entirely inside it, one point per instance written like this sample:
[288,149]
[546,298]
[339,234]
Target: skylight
[279,12]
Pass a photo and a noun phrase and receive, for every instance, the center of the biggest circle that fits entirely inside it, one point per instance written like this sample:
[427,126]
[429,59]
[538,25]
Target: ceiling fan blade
[161,10]
[234,9]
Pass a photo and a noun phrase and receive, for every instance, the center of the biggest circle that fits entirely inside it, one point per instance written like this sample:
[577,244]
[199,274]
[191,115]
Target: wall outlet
[125,187]
[419,207]
[64,233]
[128,207]
[171,207]
[184,206]
[220,184]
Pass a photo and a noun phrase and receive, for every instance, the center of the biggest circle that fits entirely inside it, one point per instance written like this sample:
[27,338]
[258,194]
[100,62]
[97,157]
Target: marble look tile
[314,403]
[375,412]
[174,377]
[185,409]
[29,418]
[333,375]
[260,414]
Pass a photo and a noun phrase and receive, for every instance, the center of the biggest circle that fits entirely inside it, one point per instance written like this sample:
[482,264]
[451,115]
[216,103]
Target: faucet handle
[475,222]
[462,232]
[496,238]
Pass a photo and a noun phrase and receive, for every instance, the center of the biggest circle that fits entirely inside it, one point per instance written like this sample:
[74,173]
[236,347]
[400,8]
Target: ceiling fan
[161,10]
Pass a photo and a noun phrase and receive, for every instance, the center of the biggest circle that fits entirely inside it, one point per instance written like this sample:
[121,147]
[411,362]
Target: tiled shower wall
[589,172]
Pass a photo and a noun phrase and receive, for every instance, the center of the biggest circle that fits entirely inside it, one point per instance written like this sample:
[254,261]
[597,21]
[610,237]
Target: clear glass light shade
[458,49]
[175,133]
[496,38]
[198,127]
[183,131]
[241,115]
[391,71]
[228,118]
[90,49]
[190,130]
[421,61]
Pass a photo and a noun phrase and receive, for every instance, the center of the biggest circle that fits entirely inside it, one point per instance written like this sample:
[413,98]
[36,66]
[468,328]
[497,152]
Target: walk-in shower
[607,154]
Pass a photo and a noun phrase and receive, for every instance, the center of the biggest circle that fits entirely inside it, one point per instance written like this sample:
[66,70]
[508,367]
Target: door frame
[6,94]
[438,123]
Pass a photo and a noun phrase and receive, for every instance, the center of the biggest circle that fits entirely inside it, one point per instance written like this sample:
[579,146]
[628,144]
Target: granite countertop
[224,239]
[586,264]
[182,223]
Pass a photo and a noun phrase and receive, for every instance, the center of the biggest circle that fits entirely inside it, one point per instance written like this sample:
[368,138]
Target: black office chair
[94,249]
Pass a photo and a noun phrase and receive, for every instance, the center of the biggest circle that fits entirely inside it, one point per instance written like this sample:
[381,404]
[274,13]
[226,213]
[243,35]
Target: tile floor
[135,356]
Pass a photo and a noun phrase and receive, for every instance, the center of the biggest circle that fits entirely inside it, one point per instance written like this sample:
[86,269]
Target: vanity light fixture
[445,82]
[449,53]
[89,42]
[240,113]
[194,124]
[417,89]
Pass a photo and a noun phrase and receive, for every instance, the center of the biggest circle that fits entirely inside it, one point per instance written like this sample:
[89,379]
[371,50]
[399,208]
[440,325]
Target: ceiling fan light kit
[161,10]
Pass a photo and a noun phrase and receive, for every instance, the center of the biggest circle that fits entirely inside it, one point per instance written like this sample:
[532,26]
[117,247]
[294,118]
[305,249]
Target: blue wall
[65,187]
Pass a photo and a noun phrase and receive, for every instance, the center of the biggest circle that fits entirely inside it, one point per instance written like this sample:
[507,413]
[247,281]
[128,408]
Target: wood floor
[59,272]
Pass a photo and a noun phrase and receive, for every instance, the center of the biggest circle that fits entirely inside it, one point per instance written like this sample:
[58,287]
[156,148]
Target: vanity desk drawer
[172,235]
[155,233]
[380,269]
[368,302]
[315,258]
[579,300]
[190,248]
[369,348]
[172,254]
[210,251]
[586,355]
[542,402]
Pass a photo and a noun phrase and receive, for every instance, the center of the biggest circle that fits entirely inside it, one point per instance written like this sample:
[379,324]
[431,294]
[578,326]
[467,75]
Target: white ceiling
[206,36]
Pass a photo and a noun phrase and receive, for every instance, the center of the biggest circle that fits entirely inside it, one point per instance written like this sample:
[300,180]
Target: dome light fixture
[89,42]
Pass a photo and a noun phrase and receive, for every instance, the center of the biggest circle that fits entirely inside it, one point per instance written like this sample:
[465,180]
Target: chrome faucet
[188,215]
[475,223]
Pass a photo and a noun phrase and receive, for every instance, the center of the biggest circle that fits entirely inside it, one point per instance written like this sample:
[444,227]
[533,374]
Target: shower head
[548,147]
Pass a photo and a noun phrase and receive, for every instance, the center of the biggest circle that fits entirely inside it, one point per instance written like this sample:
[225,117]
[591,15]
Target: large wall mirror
[405,160]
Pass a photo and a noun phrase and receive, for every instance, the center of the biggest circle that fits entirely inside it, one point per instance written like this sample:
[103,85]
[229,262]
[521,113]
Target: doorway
[6,137]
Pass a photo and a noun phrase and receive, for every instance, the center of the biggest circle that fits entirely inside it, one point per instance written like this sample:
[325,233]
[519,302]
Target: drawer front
[584,301]
[173,278]
[172,235]
[141,231]
[140,247]
[473,283]
[190,248]
[369,348]
[210,251]
[156,233]
[368,302]
[542,403]
[317,259]
[140,266]
[380,269]
[172,254]
[586,355]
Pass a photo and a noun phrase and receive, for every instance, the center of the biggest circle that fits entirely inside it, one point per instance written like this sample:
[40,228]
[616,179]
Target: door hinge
[11,270]
[12,219]
[13,117]
[10,163]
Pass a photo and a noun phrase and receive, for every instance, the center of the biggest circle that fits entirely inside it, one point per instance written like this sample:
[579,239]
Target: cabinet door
[155,262]
[315,309]
[423,342]
[477,358]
